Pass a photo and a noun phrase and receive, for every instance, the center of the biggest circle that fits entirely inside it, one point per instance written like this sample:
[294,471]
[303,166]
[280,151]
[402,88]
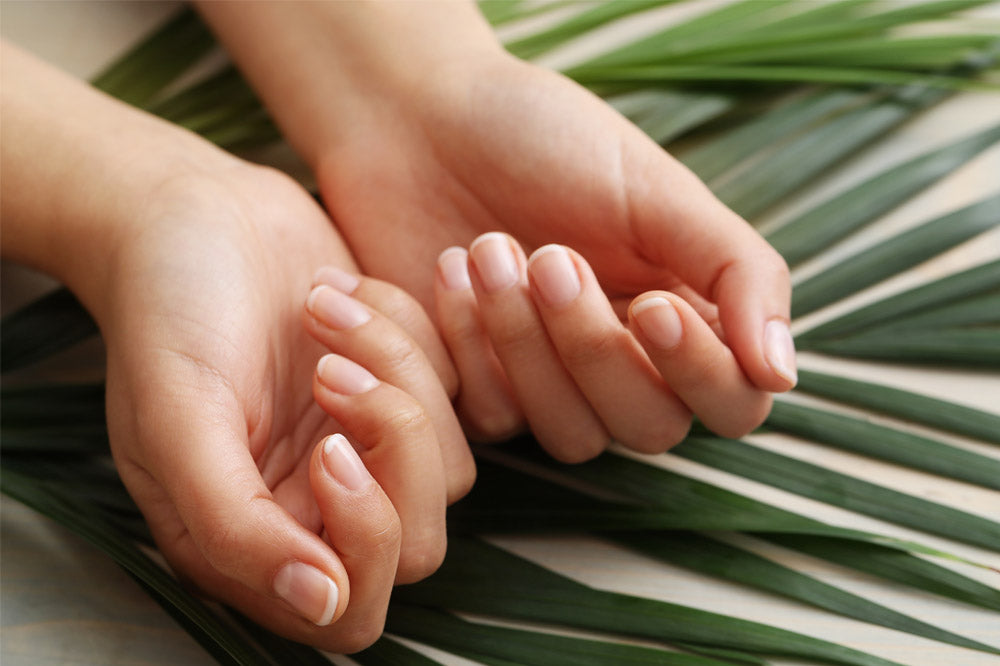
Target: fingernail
[779,350]
[343,463]
[659,322]
[339,279]
[554,275]
[454,266]
[336,310]
[309,591]
[344,376]
[495,262]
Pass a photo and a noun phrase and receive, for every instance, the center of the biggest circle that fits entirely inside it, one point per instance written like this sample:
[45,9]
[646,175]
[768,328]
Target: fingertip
[658,320]
[453,269]
[310,592]
[779,352]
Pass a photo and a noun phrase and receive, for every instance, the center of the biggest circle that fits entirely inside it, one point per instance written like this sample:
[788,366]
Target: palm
[221,340]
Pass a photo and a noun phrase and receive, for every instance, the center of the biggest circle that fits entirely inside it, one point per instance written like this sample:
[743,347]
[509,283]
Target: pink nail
[495,262]
[338,279]
[454,266]
[335,309]
[779,350]
[343,463]
[659,322]
[344,376]
[554,274]
[309,591]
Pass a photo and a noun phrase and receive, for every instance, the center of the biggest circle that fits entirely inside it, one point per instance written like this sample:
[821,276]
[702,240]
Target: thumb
[683,227]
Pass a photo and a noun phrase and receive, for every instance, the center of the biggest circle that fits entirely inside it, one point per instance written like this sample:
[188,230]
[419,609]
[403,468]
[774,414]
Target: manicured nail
[554,275]
[779,350]
[495,262]
[454,266]
[344,376]
[343,463]
[336,310]
[659,322]
[339,279]
[309,591]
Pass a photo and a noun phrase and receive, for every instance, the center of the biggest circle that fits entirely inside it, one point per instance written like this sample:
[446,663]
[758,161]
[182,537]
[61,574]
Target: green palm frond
[687,85]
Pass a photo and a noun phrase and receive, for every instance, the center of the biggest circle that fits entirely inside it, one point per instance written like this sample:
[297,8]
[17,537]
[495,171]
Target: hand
[506,146]
[214,428]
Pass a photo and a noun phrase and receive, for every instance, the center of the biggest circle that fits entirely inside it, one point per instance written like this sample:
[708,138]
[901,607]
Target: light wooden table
[65,603]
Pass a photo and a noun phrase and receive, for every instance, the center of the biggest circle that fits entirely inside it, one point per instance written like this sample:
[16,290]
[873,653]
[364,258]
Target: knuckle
[595,349]
[515,338]
[745,420]
[461,482]
[661,437]
[420,560]
[402,355]
[582,449]
[408,422]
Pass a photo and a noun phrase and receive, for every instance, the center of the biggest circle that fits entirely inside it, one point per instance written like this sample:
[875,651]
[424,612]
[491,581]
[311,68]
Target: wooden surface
[63,602]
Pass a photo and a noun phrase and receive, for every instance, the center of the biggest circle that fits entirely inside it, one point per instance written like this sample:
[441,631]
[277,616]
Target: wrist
[79,171]
[329,70]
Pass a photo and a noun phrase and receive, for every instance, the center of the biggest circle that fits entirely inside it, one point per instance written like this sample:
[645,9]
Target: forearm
[77,166]
[325,69]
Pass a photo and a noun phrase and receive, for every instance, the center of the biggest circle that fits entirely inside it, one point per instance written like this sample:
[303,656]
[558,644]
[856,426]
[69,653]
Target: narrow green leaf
[467,581]
[885,443]
[841,490]
[593,17]
[981,310]
[46,326]
[492,644]
[965,284]
[712,557]
[966,347]
[138,75]
[895,255]
[893,564]
[659,74]
[903,404]
[844,213]
[913,53]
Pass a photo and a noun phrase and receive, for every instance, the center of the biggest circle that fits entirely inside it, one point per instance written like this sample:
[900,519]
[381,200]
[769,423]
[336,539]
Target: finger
[607,363]
[234,540]
[485,400]
[679,223]
[350,328]
[559,414]
[404,310]
[697,365]
[399,447]
[363,529]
